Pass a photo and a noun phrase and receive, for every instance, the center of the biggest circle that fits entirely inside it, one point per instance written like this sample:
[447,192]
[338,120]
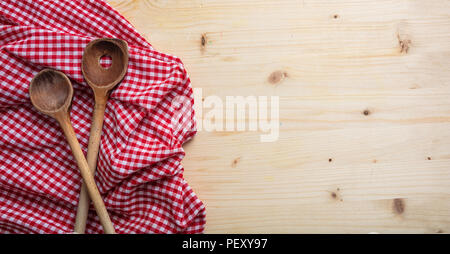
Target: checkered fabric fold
[148,117]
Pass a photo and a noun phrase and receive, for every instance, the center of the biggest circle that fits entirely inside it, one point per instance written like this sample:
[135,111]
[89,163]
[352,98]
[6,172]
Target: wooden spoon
[51,93]
[102,80]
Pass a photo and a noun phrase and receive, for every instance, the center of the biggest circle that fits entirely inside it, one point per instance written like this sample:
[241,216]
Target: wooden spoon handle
[88,178]
[92,155]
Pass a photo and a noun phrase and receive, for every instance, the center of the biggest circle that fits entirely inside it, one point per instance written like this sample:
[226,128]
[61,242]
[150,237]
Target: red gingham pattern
[139,173]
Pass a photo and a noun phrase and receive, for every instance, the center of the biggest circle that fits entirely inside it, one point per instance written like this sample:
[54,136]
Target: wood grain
[364,91]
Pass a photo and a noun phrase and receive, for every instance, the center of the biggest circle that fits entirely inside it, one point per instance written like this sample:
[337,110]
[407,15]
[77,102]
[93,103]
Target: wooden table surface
[364,107]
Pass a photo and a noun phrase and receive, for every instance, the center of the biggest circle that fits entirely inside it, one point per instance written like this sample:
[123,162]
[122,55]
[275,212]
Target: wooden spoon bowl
[51,92]
[94,73]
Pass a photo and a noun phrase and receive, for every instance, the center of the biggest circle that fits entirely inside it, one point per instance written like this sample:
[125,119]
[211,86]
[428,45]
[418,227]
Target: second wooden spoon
[102,80]
[51,93]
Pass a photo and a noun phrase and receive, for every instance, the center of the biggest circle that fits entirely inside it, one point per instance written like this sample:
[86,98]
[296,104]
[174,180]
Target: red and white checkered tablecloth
[139,172]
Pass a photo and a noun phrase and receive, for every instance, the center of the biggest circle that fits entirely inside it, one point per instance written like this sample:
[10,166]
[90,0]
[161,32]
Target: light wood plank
[329,62]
